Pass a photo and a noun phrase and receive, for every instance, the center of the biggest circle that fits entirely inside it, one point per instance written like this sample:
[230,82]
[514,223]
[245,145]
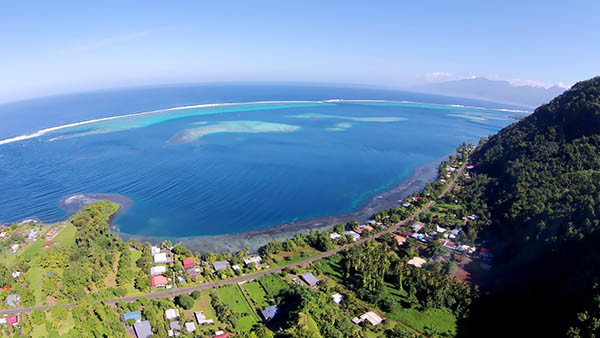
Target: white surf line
[76,124]
[434,104]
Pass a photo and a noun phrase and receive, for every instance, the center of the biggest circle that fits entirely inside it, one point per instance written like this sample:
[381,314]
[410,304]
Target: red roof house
[158,281]
[20,232]
[7,288]
[367,227]
[358,231]
[12,320]
[400,239]
[224,335]
[188,263]
[48,244]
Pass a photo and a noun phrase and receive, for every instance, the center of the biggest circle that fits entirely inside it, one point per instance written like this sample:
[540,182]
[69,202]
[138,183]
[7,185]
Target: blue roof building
[132,315]
[143,329]
[270,312]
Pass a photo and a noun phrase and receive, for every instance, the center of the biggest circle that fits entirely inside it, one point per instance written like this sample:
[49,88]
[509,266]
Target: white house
[154,250]
[353,234]
[158,270]
[337,298]
[256,260]
[160,258]
[370,316]
[171,314]
[334,235]
[417,261]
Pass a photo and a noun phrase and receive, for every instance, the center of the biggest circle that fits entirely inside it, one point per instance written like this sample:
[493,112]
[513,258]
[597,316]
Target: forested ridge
[536,185]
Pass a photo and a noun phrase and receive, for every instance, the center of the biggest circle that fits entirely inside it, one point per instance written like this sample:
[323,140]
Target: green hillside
[536,188]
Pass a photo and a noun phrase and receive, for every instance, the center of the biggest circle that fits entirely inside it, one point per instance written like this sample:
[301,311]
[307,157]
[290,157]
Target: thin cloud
[104,42]
[535,83]
[437,76]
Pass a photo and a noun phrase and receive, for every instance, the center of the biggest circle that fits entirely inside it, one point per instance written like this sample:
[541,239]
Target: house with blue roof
[132,315]
[270,312]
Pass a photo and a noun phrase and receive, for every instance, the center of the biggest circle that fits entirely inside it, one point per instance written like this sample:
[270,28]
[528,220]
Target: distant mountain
[492,90]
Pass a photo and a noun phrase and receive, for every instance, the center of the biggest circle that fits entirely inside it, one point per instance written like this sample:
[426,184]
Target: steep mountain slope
[538,185]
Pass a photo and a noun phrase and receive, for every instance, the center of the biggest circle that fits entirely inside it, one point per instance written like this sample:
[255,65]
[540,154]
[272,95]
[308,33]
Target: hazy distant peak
[520,92]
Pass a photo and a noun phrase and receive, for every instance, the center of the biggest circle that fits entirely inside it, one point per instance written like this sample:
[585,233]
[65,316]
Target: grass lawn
[233,297]
[301,253]
[331,266]
[437,321]
[273,284]
[135,255]
[257,294]
[66,236]
[203,304]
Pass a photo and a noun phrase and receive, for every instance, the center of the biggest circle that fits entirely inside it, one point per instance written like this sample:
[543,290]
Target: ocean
[273,154]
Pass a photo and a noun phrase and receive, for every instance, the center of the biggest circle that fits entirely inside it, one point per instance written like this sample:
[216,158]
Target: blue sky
[65,46]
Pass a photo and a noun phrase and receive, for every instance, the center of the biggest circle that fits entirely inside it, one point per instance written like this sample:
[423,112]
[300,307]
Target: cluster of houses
[9,320]
[356,233]
[446,241]
[159,270]
[142,329]
[225,265]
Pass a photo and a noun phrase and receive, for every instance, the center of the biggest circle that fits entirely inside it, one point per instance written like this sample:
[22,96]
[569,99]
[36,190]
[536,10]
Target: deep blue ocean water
[232,168]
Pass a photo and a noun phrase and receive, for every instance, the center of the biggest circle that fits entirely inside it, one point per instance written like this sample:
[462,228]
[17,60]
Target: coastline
[257,238]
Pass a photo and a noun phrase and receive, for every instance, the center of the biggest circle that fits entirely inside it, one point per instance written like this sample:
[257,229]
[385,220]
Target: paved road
[212,285]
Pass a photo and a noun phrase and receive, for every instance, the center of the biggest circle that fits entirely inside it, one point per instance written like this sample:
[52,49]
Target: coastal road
[212,285]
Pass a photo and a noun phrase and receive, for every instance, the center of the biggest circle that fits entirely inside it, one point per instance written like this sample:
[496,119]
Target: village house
[400,239]
[143,329]
[32,234]
[221,265]
[171,314]
[158,270]
[190,327]
[158,281]
[256,260]
[417,261]
[10,320]
[370,316]
[334,235]
[201,318]
[160,258]
[188,263]
[14,248]
[310,279]
[221,334]
[135,315]
[175,326]
[337,298]
[12,300]
[154,250]
[352,234]
[50,234]
[270,312]
[417,226]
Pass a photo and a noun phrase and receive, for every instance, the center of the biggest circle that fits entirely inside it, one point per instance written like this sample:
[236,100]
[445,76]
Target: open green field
[273,284]
[257,294]
[135,255]
[432,321]
[233,297]
[331,266]
[203,304]
[301,253]
[67,236]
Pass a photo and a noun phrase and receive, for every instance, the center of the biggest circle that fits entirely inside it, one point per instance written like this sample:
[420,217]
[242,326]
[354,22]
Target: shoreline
[45,131]
[254,239]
